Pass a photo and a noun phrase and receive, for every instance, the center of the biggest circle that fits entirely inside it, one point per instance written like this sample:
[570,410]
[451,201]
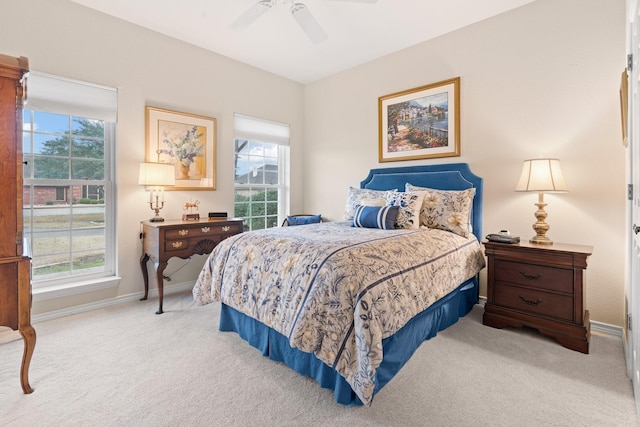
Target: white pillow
[410,203]
[356,196]
[374,202]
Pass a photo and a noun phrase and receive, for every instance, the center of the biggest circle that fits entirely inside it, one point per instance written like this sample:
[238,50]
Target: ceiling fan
[299,11]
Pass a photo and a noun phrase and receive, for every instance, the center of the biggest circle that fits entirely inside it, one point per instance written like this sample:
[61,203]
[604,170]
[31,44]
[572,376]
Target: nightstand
[541,287]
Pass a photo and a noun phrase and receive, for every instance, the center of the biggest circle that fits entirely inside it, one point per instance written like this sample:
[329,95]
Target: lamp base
[156,209]
[541,240]
[541,227]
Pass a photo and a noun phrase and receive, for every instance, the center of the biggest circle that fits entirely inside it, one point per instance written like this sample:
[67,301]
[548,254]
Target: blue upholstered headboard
[453,176]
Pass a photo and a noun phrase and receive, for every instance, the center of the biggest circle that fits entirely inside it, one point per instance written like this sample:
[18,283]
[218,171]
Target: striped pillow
[383,217]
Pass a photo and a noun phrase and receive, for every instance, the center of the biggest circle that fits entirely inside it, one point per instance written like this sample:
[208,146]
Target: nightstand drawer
[204,229]
[176,245]
[178,234]
[540,277]
[533,301]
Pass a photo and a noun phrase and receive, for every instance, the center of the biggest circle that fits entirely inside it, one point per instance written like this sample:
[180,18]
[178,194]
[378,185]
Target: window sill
[60,291]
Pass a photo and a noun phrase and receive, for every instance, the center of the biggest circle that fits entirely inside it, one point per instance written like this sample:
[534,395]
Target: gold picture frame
[420,123]
[188,141]
[624,106]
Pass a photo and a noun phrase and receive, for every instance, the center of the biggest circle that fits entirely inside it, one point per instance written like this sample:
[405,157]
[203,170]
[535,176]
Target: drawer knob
[528,301]
[226,228]
[206,229]
[176,244]
[183,232]
[530,276]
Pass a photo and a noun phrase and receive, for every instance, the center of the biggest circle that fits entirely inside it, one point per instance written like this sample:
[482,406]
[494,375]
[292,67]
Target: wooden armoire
[15,265]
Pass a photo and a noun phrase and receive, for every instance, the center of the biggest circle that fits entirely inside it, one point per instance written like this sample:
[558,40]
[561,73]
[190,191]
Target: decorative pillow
[410,203]
[382,217]
[355,196]
[446,209]
[374,202]
[302,220]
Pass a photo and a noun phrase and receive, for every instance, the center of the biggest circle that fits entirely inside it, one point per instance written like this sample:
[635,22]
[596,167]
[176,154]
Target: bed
[348,302]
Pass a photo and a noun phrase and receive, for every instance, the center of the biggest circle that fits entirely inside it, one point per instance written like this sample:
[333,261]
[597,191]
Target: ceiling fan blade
[308,23]
[253,13]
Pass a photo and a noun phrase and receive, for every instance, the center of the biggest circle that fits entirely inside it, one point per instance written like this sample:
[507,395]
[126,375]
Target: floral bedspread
[335,290]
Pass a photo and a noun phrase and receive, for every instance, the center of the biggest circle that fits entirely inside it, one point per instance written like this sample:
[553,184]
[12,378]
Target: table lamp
[156,176]
[541,175]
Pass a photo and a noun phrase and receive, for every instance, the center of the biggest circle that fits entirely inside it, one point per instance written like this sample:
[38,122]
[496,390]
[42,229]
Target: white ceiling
[357,32]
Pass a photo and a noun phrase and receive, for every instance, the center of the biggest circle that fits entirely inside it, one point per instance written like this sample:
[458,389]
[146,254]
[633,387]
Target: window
[261,172]
[61,193]
[68,193]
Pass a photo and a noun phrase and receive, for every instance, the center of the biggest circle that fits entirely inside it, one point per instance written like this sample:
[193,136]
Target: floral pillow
[446,209]
[410,204]
[361,196]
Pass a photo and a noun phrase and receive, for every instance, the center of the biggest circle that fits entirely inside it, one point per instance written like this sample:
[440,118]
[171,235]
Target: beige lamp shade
[157,174]
[541,175]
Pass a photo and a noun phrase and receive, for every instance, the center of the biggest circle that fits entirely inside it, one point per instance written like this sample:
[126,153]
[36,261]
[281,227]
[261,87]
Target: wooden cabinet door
[12,92]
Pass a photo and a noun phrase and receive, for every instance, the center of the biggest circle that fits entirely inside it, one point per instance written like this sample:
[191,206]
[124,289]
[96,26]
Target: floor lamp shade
[541,175]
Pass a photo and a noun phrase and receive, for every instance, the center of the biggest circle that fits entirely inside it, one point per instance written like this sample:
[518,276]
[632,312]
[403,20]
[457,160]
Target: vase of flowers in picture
[183,147]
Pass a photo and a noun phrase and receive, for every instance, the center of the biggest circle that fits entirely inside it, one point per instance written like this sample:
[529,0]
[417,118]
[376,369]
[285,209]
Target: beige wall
[66,39]
[541,80]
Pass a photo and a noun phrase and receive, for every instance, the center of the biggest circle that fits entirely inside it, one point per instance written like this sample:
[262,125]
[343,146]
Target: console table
[175,238]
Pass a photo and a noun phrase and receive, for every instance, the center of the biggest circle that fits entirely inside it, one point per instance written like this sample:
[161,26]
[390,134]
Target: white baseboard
[168,290]
[607,329]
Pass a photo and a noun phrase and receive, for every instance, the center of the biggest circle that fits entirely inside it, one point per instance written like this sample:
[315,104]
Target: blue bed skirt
[397,348]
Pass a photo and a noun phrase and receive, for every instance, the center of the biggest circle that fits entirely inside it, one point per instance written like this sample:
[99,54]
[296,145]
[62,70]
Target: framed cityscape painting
[420,123]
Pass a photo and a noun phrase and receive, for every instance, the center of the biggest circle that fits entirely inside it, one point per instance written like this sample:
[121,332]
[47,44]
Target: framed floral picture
[188,142]
[420,123]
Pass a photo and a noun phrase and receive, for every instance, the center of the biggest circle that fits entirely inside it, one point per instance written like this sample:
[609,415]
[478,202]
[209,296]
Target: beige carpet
[125,366]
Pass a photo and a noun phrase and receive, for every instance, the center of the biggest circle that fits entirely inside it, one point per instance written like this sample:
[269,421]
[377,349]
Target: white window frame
[59,95]
[266,132]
